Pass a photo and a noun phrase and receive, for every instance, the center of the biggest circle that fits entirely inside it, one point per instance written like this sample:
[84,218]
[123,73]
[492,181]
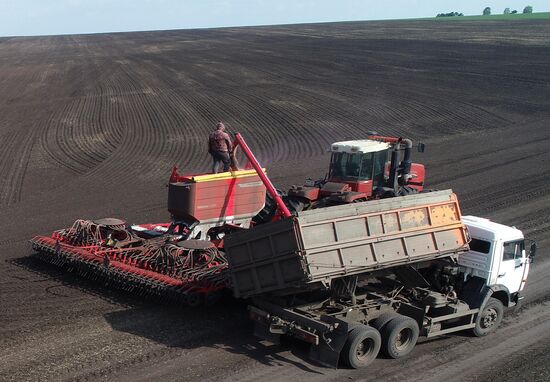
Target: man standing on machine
[219,146]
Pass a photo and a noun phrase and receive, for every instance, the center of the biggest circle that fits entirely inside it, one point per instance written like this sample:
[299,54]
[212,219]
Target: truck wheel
[399,337]
[381,321]
[361,347]
[489,318]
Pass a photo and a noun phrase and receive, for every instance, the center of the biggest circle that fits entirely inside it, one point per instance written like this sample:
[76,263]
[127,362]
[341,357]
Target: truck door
[511,268]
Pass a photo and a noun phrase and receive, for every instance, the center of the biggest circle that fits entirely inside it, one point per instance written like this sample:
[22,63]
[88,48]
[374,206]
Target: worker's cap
[220,125]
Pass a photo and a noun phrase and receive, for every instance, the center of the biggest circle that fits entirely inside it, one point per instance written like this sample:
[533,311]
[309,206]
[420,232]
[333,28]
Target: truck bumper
[326,335]
[517,300]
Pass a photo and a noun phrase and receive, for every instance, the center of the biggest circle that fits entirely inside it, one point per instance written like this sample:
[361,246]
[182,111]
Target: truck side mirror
[421,147]
[532,251]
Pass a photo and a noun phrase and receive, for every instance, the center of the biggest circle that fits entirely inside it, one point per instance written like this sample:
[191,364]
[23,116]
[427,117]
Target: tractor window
[380,159]
[366,167]
[346,166]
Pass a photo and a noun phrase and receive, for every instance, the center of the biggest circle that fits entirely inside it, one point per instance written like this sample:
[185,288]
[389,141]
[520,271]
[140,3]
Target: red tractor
[359,170]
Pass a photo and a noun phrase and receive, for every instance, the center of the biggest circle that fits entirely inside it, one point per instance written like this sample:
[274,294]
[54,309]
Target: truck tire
[380,322]
[489,318]
[407,190]
[399,336]
[361,347]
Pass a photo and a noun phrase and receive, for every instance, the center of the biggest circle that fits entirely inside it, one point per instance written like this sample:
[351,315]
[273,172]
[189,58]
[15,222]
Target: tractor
[359,170]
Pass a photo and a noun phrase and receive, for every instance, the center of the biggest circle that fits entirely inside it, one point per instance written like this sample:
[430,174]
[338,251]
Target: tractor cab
[360,170]
[361,164]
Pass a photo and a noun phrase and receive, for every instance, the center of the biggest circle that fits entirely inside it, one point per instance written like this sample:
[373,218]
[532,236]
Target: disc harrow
[166,268]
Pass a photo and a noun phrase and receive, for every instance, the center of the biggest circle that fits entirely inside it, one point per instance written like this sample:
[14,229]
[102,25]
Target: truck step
[450,330]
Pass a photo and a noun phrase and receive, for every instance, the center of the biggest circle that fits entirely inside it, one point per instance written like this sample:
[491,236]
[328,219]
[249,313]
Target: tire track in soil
[16,152]
[225,91]
[483,168]
[465,112]
[90,135]
[137,139]
[81,136]
[13,165]
[500,196]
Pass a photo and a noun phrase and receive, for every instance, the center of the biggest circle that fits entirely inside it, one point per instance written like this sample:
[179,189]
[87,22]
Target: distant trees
[527,9]
[487,12]
[450,14]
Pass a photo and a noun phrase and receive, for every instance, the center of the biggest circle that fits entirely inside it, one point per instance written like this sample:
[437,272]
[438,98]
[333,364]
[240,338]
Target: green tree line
[487,12]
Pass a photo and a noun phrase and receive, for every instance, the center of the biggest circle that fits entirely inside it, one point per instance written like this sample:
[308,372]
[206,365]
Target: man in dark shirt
[219,146]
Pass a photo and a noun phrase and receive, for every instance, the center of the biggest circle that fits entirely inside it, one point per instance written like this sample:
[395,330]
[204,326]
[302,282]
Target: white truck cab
[497,255]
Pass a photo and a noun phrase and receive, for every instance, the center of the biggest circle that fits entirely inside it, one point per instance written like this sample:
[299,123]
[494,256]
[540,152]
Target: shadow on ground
[222,326]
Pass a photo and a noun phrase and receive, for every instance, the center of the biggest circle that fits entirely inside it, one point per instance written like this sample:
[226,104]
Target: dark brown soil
[90,126]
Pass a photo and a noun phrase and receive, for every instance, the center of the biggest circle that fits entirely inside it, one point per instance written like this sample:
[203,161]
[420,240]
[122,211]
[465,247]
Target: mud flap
[475,292]
[327,353]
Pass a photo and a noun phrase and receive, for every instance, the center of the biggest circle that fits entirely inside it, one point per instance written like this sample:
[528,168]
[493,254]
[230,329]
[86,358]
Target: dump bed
[327,243]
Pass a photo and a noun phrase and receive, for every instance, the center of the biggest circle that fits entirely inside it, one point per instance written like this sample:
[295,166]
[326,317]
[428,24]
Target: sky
[47,17]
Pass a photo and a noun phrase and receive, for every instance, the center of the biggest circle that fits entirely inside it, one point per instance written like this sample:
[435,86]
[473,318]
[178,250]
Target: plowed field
[90,126]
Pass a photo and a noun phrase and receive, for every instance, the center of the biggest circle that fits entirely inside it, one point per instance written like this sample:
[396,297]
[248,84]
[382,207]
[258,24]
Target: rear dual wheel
[399,336]
[361,347]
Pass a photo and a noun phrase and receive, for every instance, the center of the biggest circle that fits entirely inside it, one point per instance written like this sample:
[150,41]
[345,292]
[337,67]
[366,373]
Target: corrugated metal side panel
[359,209]
[407,229]
[332,242]
[264,259]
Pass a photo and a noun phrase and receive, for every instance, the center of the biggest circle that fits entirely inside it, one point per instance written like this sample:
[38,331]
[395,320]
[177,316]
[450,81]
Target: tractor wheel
[407,190]
[322,203]
[268,212]
[384,193]
[361,347]
[399,336]
[489,318]
[296,204]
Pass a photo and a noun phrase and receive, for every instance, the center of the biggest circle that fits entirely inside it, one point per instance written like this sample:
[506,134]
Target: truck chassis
[356,319]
